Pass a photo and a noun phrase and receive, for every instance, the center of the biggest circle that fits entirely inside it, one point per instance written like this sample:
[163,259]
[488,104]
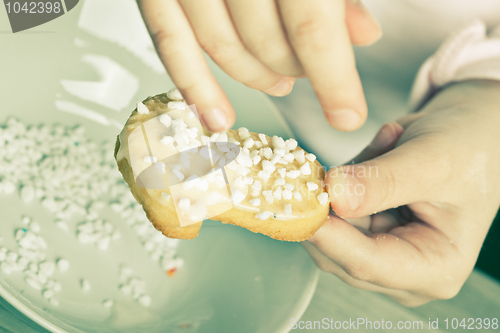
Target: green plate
[96,61]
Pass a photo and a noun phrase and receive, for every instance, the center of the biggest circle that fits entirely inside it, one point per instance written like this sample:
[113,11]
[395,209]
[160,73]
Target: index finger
[184,61]
[318,33]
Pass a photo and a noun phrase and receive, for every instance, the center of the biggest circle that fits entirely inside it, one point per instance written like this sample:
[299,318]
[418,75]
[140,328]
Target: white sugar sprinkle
[242,170]
[27,193]
[287,194]
[277,193]
[297,195]
[191,182]
[263,138]
[248,180]
[305,169]
[141,108]
[107,303]
[244,133]
[248,143]
[293,174]
[178,174]
[323,198]
[213,198]
[84,285]
[268,195]
[282,172]
[47,268]
[236,196]
[275,158]
[47,293]
[288,209]
[299,156]
[312,186]
[184,203]
[62,265]
[255,188]
[278,142]
[264,175]
[165,120]
[255,202]
[268,166]
[239,183]
[166,140]
[176,105]
[291,144]
[279,151]
[263,215]
[145,300]
[174,94]
[214,137]
[267,153]
[8,187]
[222,137]
[289,157]
[311,157]
[279,181]
[150,159]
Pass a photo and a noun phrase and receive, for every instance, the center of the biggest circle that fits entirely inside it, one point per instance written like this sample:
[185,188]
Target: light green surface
[232,280]
[334,299]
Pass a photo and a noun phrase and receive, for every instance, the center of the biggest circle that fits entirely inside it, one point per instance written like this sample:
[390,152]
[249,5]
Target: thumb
[404,175]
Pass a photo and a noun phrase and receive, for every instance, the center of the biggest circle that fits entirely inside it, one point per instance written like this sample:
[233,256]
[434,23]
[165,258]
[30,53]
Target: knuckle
[260,82]
[360,272]
[351,281]
[311,34]
[221,51]
[390,180]
[270,50]
[262,46]
[323,265]
[162,38]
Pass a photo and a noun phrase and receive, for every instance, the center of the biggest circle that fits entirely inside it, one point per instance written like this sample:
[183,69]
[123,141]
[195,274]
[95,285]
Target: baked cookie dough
[276,188]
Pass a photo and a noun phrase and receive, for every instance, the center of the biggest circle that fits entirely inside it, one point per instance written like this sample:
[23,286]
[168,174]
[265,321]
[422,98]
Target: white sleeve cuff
[467,54]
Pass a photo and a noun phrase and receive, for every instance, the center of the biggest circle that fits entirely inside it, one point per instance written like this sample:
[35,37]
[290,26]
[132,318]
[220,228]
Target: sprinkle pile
[75,179]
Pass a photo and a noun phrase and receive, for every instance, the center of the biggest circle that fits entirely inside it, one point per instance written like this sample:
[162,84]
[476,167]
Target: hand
[444,176]
[264,44]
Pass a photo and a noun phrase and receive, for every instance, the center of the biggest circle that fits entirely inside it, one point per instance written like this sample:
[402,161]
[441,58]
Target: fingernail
[215,120]
[283,88]
[346,192]
[344,120]
[361,6]
[385,137]
[368,15]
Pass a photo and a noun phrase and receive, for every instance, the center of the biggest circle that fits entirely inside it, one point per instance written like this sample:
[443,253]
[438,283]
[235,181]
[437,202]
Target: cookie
[264,184]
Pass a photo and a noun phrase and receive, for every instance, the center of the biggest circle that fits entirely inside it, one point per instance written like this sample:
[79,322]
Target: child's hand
[264,44]
[444,176]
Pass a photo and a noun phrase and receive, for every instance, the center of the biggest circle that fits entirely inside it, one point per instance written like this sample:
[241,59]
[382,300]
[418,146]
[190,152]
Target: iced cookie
[264,184]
